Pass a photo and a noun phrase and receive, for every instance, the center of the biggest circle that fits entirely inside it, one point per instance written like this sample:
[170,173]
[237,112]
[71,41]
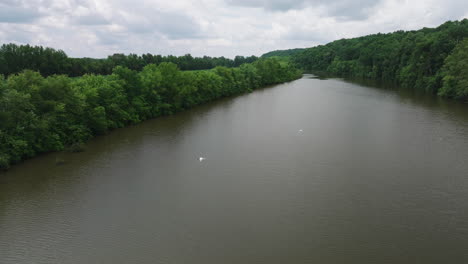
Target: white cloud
[17,12]
[97,28]
[342,9]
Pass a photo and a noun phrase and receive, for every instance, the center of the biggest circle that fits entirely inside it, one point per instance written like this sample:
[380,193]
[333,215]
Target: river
[313,171]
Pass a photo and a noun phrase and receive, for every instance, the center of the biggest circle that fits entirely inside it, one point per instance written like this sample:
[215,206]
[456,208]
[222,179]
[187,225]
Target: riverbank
[429,60]
[40,115]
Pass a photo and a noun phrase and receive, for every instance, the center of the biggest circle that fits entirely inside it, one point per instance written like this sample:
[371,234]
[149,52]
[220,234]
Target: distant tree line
[282,53]
[434,60]
[16,58]
[42,114]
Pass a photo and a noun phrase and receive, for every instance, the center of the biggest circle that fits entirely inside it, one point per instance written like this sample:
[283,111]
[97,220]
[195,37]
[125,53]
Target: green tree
[455,80]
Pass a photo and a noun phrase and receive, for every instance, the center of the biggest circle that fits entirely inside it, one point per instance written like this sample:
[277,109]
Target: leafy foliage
[16,58]
[455,73]
[41,114]
[413,59]
[282,53]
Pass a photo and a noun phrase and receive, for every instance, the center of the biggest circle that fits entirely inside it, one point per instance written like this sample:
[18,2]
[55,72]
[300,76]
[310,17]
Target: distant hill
[433,60]
[282,53]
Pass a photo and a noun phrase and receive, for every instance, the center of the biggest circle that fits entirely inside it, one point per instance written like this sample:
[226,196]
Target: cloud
[15,12]
[91,20]
[178,26]
[341,9]
[172,25]
[273,5]
[97,28]
[16,33]
[350,9]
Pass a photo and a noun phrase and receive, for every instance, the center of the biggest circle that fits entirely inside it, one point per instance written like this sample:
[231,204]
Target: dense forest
[41,114]
[16,58]
[433,60]
[282,53]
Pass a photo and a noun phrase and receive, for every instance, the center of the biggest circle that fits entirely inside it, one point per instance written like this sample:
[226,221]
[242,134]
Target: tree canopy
[455,72]
[16,58]
[430,59]
[282,53]
[41,114]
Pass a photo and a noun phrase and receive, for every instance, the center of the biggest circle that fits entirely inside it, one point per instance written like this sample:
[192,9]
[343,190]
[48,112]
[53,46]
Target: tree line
[16,58]
[282,53]
[42,114]
[433,60]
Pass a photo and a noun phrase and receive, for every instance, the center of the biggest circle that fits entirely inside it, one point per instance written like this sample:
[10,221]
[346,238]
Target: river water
[313,171]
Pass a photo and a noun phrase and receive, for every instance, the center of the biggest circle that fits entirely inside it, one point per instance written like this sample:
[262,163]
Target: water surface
[375,176]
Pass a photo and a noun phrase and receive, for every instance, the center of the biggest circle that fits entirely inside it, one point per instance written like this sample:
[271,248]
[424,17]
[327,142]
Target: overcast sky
[97,28]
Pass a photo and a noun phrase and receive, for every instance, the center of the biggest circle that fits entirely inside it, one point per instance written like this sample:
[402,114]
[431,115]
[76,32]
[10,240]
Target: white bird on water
[201,159]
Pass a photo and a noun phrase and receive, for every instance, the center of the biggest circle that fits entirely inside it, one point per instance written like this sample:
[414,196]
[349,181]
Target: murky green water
[375,176]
